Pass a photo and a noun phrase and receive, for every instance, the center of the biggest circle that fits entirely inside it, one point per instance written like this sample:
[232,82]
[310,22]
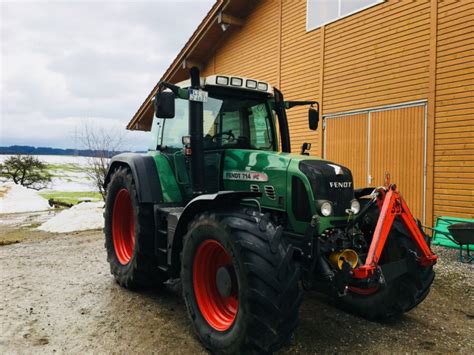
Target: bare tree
[102,144]
[26,170]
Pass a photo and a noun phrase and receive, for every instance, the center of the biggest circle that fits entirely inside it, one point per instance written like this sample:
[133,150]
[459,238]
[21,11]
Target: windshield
[229,122]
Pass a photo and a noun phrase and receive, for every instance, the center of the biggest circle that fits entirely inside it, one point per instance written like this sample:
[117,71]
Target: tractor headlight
[326,208]
[355,206]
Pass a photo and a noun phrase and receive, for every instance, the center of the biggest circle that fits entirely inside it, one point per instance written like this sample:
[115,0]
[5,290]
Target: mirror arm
[170,86]
[179,92]
[291,104]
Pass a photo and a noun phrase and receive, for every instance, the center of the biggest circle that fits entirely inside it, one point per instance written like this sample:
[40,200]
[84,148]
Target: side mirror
[164,104]
[313,119]
[306,146]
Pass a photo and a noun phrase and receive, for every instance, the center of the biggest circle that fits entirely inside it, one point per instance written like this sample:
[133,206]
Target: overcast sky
[66,62]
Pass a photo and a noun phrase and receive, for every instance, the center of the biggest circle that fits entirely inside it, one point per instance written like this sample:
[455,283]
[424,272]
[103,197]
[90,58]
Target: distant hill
[26,149]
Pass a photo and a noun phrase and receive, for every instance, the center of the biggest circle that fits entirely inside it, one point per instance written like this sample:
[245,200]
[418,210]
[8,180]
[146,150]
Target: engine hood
[329,181]
[263,171]
[269,172]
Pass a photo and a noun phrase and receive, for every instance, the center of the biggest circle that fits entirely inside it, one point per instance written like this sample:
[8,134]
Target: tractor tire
[129,234]
[240,282]
[397,296]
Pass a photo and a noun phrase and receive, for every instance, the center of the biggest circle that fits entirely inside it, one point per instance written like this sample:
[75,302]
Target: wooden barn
[395,81]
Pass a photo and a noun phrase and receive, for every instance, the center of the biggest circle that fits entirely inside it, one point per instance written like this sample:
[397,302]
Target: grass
[71,197]
[62,171]
[59,170]
[66,167]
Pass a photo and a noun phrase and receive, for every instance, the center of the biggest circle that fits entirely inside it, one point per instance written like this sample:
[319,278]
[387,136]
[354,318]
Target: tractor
[220,203]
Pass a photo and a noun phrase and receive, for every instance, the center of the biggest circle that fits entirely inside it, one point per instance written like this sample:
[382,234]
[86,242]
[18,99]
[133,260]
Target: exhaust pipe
[197,140]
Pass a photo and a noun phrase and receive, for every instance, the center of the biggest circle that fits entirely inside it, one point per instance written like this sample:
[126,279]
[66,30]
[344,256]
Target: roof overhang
[225,17]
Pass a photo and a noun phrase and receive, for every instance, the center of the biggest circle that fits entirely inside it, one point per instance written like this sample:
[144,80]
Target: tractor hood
[330,182]
[259,171]
[271,173]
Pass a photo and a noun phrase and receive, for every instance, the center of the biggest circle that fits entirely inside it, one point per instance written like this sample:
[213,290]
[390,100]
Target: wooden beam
[280,5]
[322,41]
[430,128]
[229,20]
[189,63]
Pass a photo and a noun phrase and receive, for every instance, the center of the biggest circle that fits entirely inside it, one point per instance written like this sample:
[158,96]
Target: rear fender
[145,175]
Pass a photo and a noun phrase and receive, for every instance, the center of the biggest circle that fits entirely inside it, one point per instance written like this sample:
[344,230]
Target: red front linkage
[392,204]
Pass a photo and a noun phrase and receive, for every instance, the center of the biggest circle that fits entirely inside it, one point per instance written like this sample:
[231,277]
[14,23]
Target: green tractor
[221,203]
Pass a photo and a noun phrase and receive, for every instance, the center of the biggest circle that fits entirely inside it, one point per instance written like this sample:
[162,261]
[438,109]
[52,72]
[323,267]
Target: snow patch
[84,216]
[16,198]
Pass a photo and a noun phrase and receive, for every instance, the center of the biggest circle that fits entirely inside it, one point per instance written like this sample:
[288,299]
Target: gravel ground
[57,296]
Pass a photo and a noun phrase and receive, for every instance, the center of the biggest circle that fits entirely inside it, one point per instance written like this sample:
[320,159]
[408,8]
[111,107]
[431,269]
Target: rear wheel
[129,234]
[240,283]
[396,296]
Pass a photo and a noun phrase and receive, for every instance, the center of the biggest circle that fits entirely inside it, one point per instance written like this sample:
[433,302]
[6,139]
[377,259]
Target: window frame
[309,29]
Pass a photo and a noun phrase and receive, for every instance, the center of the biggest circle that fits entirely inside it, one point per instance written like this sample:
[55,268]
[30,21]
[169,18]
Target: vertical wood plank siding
[454,118]
[397,146]
[376,57]
[251,51]
[300,68]
[346,143]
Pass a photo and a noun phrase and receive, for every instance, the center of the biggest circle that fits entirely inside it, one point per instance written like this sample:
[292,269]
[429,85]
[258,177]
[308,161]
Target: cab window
[228,122]
[260,128]
[244,124]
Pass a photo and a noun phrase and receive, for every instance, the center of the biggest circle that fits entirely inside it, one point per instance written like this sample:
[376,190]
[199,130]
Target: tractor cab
[233,117]
[241,119]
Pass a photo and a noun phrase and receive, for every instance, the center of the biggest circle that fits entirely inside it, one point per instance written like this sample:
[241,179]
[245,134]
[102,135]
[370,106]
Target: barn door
[389,139]
[397,146]
[345,142]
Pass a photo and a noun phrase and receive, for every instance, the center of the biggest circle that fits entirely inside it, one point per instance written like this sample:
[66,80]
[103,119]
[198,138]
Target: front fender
[145,175]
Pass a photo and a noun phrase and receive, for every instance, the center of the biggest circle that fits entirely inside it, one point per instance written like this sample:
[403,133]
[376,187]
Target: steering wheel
[229,134]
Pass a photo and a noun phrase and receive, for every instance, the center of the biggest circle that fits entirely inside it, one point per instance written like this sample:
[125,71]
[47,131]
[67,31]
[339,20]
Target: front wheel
[396,296]
[240,283]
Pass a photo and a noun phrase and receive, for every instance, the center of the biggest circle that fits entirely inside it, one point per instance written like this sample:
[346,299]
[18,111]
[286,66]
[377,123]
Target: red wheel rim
[123,227]
[219,311]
